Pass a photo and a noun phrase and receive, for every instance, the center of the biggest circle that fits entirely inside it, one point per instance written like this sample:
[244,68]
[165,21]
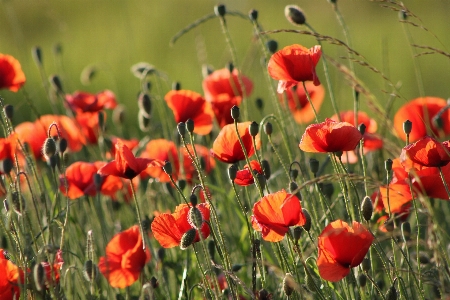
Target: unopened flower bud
[268,128]
[188,238]
[264,295]
[181,127]
[232,171]
[90,271]
[314,165]
[230,67]
[307,225]
[167,168]
[236,267]
[362,280]
[55,81]
[362,128]
[98,181]
[53,161]
[193,199]
[253,15]
[388,164]
[145,104]
[154,282]
[297,233]
[406,231]
[6,165]
[438,122]
[338,154]
[266,168]
[206,70]
[181,184]
[253,128]
[176,86]
[288,284]
[190,125]
[367,208]
[311,282]
[195,217]
[235,113]
[36,52]
[61,145]
[366,264]
[39,276]
[8,109]
[327,189]
[293,173]
[294,15]
[259,103]
[220,10]
[118,115]
[144,122]
[272,45]
[293,186]
[407,126]
[261,180]
[49,148]
[391,293]
[161,254]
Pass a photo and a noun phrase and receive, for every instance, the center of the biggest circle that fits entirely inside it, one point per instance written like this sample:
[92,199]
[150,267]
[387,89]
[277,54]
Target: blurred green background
[114,35]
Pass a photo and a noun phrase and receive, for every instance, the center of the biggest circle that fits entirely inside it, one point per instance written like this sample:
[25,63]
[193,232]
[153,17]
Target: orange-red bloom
[427,152]
[131,144]
[87,102]
[88,122]
[124,259]
[298,103]
[186,105]
[330,136]
[341,248]
[226,146]
[275,213]
[11,74]
[294,64]
[168,229]
[421,112]
[126,165]
[206,161]
[162,150]
[53,272]
[244,177]
[10,276]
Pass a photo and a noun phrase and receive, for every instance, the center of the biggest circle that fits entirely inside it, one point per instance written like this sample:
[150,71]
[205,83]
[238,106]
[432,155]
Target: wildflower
[162,150]
[131,144]
[427,152]
[330,136]
[125,258]
[294,64]
[298,102]
[421,112]
[89,125]
[8,148]
[349,117]
[11,74]
[226,146]
[126,165]
[168,229]
[53,271]
[87,102]
[244,177]
[275,213]
[342,247]
[186,105]
[206,161]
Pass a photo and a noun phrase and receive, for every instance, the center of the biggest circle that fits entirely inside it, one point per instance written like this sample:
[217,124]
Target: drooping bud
[193,199]
[388,165]
[362,280]
[161,254]
[53,161]
[406,231]
[293,186]
[367,208]
[288,284]
[232,171]
[6,165]
[145,223]
[261,180]
[181,127]
[272,45]
[407,126]
[307,225]
[253,128]
[293,173]
[259,103]
[268,128]
[236,267]
[314,165]
[154,282]
[230,67]
[220,10]
[253,15]
[55,81]
[235,113]
[167,168]
[90,271]
[39,276]
[311,282]
[8,109]
[176,86]
[145,104]
[49,148]
[188,238]
[190,125]
[327,189]
[88,74]
[294,15]
[266,168]
[195,217]
[362,128]
[36,53]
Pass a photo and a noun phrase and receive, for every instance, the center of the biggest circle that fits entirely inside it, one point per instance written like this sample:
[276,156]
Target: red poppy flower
[87,102]
[222,105]
[206,160]
[162,150]
[126,165]
[294,64]
[330,136]
[186,105]
[427,152]
[131,144]
[298,102]
[244,177]
[10,277]
[226,146]
[8,147]
[53,271]
[11,74]
[80,180]
[349,117]
[342,247]
[88,122]
[124,259]
[168,229]
[421,112]
[275,213]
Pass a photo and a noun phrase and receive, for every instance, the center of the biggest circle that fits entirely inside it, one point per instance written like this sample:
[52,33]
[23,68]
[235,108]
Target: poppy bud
[314,165]
[36,52]
[61,145]
[253,15]
[294,15]
[193,199]
[367,208]
[90,271]
[307,225]
[288,284]
[268,128]
[264,295]
[190,125]
[6,165]
[195,217]
[338,154]
[188,238]
[230,67]
[167,167]
[327,189]
[176,86]
[297,233]
[39,276]
[406,231]
[154,282]
[49,148]
[235,113]
[388,165]
[362,128]
[145,104]
[389,225]
[259,103]
[101,121]
[118,114]
[181,129]
[266,168]
[402,15]
[161,254]
[220,10]
[293,186]
[88,74]
[144,122]
[211,249]
[253,128]
[8,109]
[65,158]
[407,126]
[56,83]
[145,223]
[293,173]
[438,122]
[53,161]
[232,171]
[206,70]
[272,45]
[181,184]
[236,267]
[366,264]
[311,282]
[261,180]
[362,280]
[391,293]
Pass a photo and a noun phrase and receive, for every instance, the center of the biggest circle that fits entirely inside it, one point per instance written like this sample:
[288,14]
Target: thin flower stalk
[280,126]
[444,182]
[310,102]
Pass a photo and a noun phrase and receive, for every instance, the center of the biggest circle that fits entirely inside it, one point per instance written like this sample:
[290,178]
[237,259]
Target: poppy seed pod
[235,112]
[288,284]
[314,165]
[61,145]
[220,10]
[8,111]
[39,276]
[90,271]
[188,238]
[145,104]
[195,217]
[266,168]
[362,128]
[36,52]
[362,280]
[190,125]
[56,83]
[253,128]
[49,148]
[388,165]
[259,104]
[176,86]
[167,167]
[232,171]
[367,208]
[406,231]
[253,15]
[6,165]
[272,46]
[307,225]
[407,126]
[181,127]
[268,129]
[294,15]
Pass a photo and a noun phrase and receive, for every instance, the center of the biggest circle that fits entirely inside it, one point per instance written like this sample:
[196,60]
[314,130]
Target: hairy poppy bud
[6,165]
[253,15]
[167,167]
[388,165]
[253,128]
[314,165]
[311,282]
[36,52]
[118,115]
[161,254]
[49,148]
[297,233]
[61,145]
[8,109]
[294,15]
[18,202]
[190,125]
[236,267]
[268,128]
[176,86]
[195,217]
[261,180]
[188,238]
[288,284]
[407,126]
[367,208]
[391,293]
[327,189]
[266,168]
[181,127]
[272,45]
[90,271]
[56,83]
[438,122]
[293,186]
[362,128]
[88,74]
[293,173]
[264,295]
[307,225]
[406,231]
[39,276]
[154,282]
[235,113]
[144,122]
[232,171]
[53,161]
[220,10]
[145,104]
[259,103]
[193,199]
[181,184]
[362,280]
